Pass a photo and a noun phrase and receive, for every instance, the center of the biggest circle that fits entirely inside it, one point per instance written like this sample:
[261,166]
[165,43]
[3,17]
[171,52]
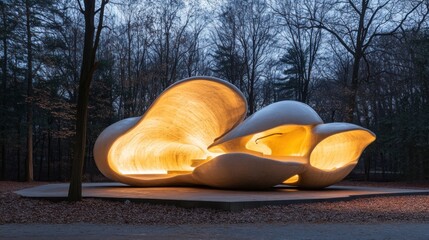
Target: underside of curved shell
[174,132]
[245,171]
[334,152]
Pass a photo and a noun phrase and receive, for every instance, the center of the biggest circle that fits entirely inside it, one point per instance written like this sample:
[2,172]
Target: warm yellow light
[172,135]
[194,134]
[287,140]
[340,149]
[145,172]
[178,129]
[292,180]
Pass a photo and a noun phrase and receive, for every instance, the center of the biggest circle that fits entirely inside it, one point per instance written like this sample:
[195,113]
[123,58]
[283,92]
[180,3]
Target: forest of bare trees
[360,61]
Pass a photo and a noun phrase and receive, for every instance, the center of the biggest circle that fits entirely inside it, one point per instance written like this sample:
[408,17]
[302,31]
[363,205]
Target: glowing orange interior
[340,149]
[177,131]
[179,139]
[287,140]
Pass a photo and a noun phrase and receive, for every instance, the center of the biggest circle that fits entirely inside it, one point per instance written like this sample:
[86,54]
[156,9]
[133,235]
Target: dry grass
[14,209]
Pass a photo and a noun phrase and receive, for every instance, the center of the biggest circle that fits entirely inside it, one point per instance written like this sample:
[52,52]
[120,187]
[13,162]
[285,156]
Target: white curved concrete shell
[194,134]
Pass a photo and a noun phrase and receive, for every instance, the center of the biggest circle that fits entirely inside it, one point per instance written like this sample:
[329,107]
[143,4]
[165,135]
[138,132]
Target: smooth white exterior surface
[194,134]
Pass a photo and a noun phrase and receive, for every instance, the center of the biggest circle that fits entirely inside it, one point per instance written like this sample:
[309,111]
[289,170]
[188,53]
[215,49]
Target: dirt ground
[393,209]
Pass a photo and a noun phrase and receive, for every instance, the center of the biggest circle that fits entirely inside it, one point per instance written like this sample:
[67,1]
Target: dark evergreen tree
[294,84]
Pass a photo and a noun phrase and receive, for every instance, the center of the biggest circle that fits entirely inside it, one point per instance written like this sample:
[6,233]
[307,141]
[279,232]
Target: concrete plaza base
[213,198]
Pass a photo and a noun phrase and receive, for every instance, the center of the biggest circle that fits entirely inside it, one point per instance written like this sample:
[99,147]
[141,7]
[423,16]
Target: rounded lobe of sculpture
[279,118]
[335,150]
[175,130]
[105,140]
[245,171]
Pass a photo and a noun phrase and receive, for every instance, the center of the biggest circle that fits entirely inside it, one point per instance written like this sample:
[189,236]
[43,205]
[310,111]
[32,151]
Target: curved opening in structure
[292,180]
[175,132]
[287,140]
[340,149]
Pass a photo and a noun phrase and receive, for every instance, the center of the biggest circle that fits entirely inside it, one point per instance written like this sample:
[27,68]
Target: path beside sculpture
[214,198]
[216,231]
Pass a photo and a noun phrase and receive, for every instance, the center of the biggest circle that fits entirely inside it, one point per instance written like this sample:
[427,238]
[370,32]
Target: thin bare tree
[247,50]
[89,65]
[355,25]
[303,41]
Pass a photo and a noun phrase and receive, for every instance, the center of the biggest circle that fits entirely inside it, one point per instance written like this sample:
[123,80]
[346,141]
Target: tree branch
[80,7]
[333,33]
[99,28]
[354,7]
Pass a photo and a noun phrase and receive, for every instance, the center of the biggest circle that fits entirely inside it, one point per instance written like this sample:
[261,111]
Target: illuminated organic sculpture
[194,134]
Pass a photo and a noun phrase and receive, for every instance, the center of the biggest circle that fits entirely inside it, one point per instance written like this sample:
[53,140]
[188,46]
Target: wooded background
[365,62]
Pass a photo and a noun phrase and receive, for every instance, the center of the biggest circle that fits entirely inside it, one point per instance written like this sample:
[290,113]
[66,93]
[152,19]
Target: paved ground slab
[213,198]
[219,231]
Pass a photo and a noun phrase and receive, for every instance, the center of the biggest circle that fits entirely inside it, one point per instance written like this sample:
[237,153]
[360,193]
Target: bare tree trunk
[29,163]
[367,167]
[383,166]
[41,157]
[60,159]
[352,90]
[49,155]
[364,22]
[3,101]
[18,149]
[87,70]
[3,156]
